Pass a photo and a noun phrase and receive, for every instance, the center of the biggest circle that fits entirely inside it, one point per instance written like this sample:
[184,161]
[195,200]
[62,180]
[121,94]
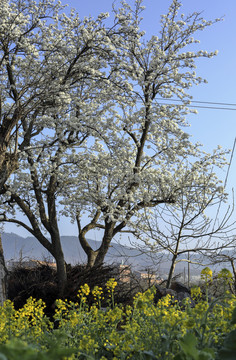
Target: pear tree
[99,145]
[53,80]
[147,160]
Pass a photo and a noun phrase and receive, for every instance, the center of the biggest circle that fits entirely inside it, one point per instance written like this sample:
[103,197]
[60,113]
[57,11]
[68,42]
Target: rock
[184,295]
[179,287]
[171,292]
[177,290]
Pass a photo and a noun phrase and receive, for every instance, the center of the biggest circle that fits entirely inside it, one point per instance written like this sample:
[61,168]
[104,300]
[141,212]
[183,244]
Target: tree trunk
[3,276]
[8,164]
[61,273]
[95,257]
[60,261]
[91,257]
[107,237]
[234,272]
[175,254]
[171,272]
[102,251]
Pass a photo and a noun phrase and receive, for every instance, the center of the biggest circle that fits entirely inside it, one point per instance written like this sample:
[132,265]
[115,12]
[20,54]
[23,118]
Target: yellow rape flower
[84,290]
[83,293]
[226,276]
[97,294]
[196,292]
[190,323]
[206,274]
[111,284]
[88,344]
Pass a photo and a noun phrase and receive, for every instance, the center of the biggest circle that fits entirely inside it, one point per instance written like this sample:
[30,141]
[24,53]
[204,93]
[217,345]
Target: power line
[212,107]
[200,102]
[226,178]
[230,162]
[203,102]
[205,107]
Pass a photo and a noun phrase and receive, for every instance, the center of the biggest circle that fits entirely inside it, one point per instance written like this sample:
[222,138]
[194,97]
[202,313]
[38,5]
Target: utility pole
[188,270]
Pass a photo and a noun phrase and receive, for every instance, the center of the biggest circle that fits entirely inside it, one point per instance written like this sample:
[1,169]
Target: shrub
[143,330]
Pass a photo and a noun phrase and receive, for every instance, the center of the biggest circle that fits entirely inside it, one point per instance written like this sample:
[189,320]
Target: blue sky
[210,127]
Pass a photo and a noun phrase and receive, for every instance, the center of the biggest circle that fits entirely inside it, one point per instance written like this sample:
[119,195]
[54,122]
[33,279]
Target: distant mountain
[16,247]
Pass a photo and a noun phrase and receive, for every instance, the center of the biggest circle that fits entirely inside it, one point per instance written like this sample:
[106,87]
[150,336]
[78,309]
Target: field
[144,330]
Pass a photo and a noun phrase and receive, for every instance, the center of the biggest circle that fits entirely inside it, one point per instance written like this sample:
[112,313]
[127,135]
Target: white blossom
[96,137]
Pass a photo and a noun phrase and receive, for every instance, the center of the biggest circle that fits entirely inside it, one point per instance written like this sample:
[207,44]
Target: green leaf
[233,320]
[16,349]
[148,354]
[3,357]
[228,352]
[206,354]
[180,356]
[230,340]
[188,345]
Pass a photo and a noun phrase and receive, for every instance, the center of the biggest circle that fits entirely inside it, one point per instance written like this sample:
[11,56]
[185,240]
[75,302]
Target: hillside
[16,247]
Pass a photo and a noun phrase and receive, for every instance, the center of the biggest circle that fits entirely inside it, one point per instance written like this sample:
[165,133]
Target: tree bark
[107,237]
[171,271]
[234,272]
[61,270]
[91,257]
[102,251]
[3,276]
[52,226]
[96,257]
[8,164]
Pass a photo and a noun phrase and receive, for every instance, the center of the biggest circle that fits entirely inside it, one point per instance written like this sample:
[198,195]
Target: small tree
[225,257]
[185,228]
